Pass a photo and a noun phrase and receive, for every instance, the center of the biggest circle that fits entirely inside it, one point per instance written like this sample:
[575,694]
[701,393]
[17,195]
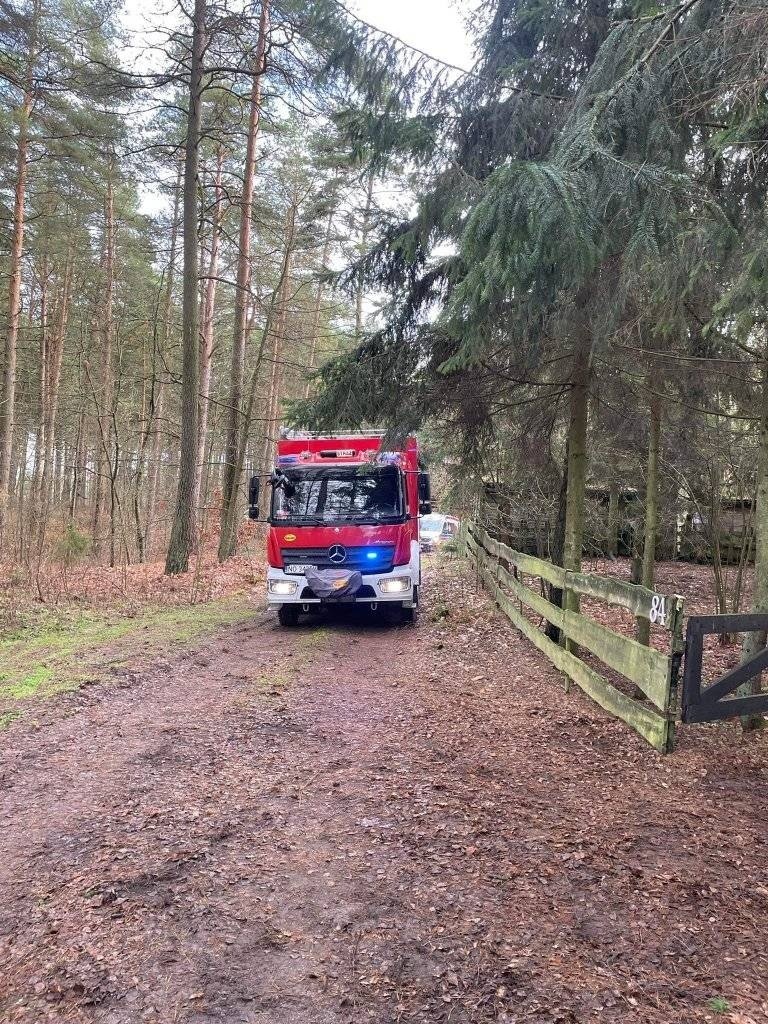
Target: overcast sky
[434,26]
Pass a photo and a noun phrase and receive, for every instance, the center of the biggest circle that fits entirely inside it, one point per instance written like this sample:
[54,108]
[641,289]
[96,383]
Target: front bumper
[369,593]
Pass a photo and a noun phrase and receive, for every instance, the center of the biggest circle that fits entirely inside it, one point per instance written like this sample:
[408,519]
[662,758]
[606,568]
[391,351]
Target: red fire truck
[344,524]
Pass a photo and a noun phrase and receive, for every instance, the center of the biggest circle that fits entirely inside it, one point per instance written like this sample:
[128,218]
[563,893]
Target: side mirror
[425,494]
[253,497]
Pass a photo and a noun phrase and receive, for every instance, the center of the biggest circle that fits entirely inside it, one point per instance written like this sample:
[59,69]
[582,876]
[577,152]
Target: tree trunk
[278,337]
[104,399]
[50,399]
[59,461]
[276,374]
[148,412]
[8,394]
[314,344]
[77,490]
[182,531]
[613,520]
[577,462]
[157,394]
[228,535]
[115,462]
[755,642]
[206,335]
[21,444]
[267,337]
[363,247]
[558,546]
[43,390]
[643,627]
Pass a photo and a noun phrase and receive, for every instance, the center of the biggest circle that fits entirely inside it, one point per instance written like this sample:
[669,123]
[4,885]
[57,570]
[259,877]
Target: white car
[435,529]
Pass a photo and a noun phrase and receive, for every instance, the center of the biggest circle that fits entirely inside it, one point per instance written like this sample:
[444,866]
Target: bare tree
[232,472]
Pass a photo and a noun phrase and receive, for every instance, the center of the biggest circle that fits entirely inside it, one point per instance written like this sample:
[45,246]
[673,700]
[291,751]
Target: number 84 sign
[658,615]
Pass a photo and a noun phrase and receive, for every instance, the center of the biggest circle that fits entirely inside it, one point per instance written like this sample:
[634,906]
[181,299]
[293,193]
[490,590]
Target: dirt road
[354,823]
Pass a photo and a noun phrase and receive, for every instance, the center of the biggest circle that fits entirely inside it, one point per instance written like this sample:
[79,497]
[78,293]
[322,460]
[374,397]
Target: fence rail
[653,672]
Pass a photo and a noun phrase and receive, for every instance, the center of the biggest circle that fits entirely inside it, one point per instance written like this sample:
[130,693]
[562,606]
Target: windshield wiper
[298,520]
[375,520]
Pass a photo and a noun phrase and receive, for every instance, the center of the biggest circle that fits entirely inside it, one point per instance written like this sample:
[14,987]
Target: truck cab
[343,524]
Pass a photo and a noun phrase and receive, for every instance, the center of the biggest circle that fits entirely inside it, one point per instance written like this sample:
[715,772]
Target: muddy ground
[350,822]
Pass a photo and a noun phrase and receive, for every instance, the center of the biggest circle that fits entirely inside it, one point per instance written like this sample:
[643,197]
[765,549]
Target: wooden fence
[500,569]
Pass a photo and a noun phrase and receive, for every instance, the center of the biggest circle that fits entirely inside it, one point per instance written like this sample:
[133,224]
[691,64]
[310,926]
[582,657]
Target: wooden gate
[704,702]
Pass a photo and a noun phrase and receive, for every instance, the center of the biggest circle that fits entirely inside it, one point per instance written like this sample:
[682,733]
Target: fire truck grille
[354,557]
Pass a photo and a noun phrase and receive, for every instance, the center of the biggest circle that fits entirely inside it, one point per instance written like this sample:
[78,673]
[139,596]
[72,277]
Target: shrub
[71,546]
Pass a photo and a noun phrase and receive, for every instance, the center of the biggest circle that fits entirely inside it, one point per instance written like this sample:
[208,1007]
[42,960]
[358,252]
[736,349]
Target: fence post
[566,601]
[677,647]
[477,557]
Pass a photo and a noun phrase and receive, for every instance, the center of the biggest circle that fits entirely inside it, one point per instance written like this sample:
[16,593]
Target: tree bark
[19,480]
[314,344]
[278,339]
[206,335]
[275,376]
[50,399]
[43,389]
[613,520]
[228,535]
[267,338]
[363,247]
[183,531]
[8,393]
[106,332]
[77,490]
[558,546]
[157,394]
[577,462]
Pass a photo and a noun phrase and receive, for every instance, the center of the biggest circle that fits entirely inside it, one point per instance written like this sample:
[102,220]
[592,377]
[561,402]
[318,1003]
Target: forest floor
[348,822]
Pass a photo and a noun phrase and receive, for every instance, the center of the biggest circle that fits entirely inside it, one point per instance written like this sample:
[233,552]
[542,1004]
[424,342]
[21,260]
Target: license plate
[298,569]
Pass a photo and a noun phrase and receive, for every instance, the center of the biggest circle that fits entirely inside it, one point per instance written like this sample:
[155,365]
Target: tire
[410,616]
[288,615]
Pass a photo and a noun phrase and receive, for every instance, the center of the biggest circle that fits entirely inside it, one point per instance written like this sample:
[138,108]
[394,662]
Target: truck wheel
[288,615]
[392,613]
[410,615]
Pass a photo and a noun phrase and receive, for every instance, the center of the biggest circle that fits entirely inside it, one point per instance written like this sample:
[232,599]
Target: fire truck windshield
[330,494]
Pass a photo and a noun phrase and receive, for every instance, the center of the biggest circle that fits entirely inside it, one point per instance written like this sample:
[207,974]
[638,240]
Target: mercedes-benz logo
[337,553]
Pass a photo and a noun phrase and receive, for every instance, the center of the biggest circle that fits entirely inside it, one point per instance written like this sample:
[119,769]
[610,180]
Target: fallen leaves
[424,828]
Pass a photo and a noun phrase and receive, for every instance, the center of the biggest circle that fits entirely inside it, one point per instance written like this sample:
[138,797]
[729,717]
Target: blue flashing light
[372,554]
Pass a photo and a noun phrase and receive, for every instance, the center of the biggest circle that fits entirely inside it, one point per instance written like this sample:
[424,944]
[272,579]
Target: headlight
[397,585]
[285,588]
